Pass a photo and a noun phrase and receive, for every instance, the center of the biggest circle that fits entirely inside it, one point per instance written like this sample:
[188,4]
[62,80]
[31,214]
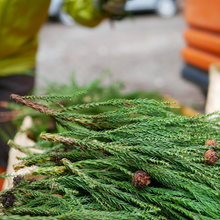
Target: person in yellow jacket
[20,21]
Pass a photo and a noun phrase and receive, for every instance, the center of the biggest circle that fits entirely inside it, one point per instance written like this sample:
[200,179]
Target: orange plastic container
[202,36]
[203,40]
[199,58]
[203,14]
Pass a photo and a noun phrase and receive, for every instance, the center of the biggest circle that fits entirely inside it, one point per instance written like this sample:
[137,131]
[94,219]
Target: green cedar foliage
[89,167]
[102,88]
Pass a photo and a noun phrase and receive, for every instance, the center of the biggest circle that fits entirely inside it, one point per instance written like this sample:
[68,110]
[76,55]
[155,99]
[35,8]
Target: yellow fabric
[84,12]
[20,21]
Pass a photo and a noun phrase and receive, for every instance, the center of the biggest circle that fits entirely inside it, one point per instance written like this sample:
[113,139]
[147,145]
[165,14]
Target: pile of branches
[136,161]
[102,88]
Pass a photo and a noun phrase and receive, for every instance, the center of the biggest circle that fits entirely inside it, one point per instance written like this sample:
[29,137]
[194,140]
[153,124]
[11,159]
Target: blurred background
[142,50]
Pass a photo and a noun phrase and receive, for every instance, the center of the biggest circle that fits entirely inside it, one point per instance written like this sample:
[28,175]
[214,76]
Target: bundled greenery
[91,170]
[102,88]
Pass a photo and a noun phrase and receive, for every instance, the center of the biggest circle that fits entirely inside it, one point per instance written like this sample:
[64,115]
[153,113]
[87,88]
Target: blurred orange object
[1,180]
[199,58]
[204,40]
[203,34]
[202,37]
[203,14]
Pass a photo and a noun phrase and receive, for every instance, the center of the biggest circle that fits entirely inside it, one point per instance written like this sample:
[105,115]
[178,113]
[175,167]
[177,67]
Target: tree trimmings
[134,161]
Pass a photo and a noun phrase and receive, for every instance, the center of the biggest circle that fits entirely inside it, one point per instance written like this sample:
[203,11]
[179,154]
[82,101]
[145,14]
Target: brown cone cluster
[141,179]
[17,180]
[211,143]
[8,199]
[210,155]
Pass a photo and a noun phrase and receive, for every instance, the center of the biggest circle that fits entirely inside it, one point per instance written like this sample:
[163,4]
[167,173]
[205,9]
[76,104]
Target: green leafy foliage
[102,88]
[89,166]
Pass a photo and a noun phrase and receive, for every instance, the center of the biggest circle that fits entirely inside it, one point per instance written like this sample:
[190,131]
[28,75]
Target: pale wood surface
[21,139]
[213,97]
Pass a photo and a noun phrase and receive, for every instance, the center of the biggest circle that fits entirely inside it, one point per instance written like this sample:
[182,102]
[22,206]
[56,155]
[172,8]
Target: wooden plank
[213,97]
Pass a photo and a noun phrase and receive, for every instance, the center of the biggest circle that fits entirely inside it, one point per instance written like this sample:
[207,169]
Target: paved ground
[143,52]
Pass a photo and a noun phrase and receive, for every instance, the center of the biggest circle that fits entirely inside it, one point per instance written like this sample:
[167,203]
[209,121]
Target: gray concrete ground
[142,51]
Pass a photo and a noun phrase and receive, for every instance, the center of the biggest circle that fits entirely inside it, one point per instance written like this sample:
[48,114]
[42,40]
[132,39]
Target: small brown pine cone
[17,180]
[211,156]
[8,199]
[211,143]
[141,179]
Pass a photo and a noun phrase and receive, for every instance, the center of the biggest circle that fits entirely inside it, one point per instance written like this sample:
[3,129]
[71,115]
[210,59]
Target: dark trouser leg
[17,84]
